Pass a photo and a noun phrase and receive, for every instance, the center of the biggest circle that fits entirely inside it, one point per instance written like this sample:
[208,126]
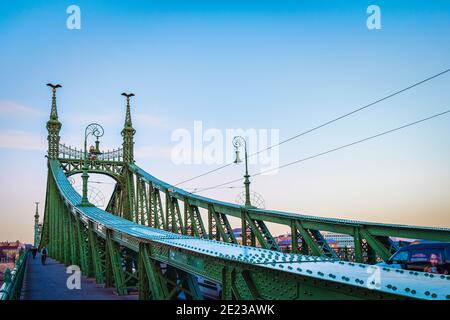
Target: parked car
[431,257]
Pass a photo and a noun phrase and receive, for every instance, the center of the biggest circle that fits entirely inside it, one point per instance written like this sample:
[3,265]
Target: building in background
[341,243]
[9,253]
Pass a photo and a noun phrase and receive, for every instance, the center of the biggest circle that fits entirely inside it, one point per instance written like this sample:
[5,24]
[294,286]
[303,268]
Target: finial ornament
[54,112]
[128,132]
[54,86]
[128,95]
[36,215]
[53,126]
[128,113]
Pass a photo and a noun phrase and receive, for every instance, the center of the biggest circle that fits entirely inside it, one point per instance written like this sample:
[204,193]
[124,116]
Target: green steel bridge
[157,239]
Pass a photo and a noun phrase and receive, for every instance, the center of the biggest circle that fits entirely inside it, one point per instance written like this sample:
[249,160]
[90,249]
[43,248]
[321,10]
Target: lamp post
[238,142]
[97,131]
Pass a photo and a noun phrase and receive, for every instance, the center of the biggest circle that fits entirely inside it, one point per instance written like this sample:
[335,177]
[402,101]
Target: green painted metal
[262,233]
[121,250]
[73,242]
[114,257]
[153,271]
[83,247]
[37,227]
[96,255]
[13,279]
[220,227]
[241,277]
[193,219]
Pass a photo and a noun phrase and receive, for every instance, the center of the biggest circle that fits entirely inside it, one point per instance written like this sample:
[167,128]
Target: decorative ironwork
[67,152]
[120,251]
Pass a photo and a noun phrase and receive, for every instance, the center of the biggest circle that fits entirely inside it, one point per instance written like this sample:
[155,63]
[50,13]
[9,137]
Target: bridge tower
[53,126]
[37,226]
[128,133]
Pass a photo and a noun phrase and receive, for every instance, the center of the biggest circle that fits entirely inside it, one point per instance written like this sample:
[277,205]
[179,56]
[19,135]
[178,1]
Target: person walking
[43,255]
[33,252]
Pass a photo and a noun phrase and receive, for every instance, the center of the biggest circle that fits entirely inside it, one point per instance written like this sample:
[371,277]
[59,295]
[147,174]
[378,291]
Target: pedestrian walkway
[48,282]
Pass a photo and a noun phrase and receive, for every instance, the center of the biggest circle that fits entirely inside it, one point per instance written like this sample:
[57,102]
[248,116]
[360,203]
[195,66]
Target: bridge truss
[158,239]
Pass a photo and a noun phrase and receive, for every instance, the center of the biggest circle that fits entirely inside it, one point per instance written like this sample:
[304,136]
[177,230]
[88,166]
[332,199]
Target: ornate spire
[128,122]
[37,227]
[53,126]
[128,133]
[36,214]
[54,111]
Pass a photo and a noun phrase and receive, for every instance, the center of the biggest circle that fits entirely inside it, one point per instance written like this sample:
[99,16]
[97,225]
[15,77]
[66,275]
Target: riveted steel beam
[95,254]
[220,227]
[376,245]
[115,259]
[159,290]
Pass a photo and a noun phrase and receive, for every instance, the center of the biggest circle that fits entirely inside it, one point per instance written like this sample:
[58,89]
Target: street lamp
[238,142]
[97,131]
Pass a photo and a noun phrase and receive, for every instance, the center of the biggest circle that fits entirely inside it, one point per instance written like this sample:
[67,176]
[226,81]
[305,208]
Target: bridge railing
[69,153]
[12,287]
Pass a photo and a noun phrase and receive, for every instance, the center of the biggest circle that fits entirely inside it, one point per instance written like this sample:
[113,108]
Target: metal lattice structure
[158,238]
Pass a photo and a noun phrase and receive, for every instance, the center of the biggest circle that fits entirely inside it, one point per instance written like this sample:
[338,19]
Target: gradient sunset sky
[287,65]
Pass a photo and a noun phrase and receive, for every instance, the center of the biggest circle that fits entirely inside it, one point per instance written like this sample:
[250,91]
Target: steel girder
[96,254]
[167,284]
[372,241]
[375,247]
[140,201]
[174,221]
[166,263]
[115,263]
[260,231]
[193,220]
[157,211]
[219,227]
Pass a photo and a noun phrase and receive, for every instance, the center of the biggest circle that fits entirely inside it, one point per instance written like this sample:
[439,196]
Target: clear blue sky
[287,65]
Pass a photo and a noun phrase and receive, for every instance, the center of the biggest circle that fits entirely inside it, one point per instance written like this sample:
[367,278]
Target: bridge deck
[48,282]
[416,285]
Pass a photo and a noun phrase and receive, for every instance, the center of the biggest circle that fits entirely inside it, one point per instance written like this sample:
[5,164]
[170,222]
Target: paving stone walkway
[48,282]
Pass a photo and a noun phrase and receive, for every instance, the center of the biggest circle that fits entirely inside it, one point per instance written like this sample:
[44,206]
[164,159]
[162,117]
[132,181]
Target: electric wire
[323,124]
[330,150]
